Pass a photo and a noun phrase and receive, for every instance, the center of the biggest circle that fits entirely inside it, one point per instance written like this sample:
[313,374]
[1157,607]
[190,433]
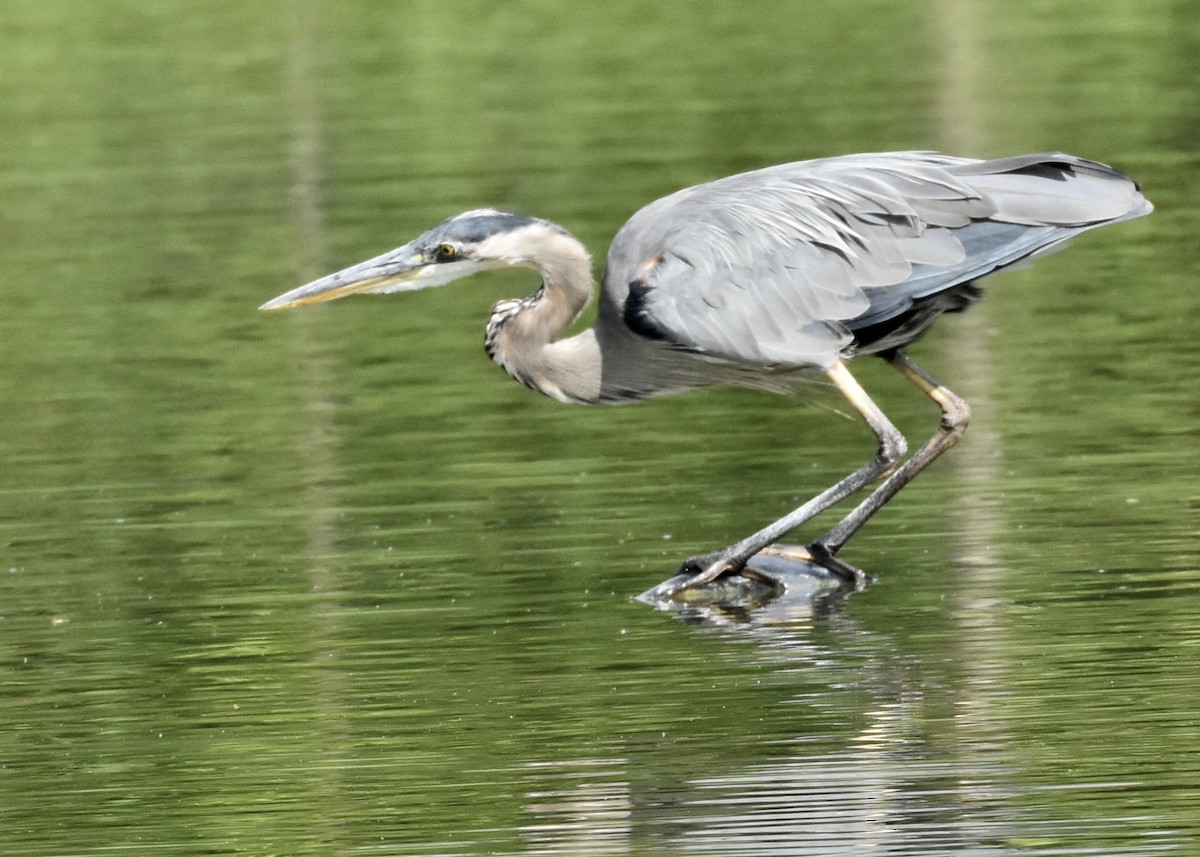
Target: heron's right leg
[955,416]
[892,448]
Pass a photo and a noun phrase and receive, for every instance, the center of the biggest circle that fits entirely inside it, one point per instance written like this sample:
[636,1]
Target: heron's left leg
[955,415]
[892,446]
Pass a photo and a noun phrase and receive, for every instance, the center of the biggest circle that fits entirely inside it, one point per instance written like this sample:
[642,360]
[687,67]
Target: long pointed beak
[401,269]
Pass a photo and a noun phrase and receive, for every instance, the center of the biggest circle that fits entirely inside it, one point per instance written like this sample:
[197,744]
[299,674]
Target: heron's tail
[1055,189]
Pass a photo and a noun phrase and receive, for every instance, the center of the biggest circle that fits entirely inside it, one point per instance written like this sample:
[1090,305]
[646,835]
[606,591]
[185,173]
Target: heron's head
[463,245]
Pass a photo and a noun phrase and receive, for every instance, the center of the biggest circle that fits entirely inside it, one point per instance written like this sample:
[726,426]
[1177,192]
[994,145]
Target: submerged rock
[771,577]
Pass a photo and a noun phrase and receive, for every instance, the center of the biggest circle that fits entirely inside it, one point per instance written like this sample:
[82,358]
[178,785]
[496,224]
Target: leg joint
[956,413]
[893,446]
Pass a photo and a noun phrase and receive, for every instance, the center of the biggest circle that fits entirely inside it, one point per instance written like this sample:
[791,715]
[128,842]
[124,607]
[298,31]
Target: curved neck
[523,336]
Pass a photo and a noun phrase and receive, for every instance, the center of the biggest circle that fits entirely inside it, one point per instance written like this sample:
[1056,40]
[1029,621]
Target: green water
[328,583]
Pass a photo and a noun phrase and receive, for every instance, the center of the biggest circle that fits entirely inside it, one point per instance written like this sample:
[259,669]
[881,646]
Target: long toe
[706,568]
[694,565]
[825,558]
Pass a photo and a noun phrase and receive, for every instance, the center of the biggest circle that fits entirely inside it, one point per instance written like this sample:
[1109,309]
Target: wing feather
[778,265]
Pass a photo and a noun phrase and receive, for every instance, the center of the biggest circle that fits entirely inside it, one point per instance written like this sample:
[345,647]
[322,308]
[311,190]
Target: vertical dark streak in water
[317,436]
[317,440]
[977,521]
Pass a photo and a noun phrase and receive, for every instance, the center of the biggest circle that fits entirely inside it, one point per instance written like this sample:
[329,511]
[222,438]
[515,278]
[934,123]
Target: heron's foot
[706,568]
[824,557]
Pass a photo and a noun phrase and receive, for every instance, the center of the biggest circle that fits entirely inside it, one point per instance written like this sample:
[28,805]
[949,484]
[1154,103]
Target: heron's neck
[524,336]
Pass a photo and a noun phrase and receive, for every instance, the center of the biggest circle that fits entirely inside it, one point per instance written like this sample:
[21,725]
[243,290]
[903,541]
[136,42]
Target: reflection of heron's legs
[955,415]
[892,447]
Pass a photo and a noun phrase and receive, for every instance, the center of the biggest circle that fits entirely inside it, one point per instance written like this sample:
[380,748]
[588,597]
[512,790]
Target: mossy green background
[328,583]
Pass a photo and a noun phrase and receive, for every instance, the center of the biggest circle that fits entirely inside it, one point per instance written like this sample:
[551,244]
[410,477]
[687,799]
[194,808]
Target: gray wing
[778,265]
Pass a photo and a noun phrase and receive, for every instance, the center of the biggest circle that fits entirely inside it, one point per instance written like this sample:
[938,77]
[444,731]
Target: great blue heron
[754,279]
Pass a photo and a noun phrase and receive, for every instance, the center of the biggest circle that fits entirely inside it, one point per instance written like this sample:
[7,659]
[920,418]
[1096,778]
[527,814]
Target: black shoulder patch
[636,313]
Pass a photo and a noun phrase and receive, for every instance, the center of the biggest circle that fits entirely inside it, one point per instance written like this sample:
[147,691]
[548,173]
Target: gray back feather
[777,266]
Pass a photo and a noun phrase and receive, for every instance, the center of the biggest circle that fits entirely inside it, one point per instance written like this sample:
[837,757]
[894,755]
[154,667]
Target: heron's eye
[446,252]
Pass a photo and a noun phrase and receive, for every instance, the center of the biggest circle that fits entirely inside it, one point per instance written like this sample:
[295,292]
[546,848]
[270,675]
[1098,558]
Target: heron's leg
[955,415]
[892,448]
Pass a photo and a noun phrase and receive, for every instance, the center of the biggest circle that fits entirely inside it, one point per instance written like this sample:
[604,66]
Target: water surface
[328,583]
